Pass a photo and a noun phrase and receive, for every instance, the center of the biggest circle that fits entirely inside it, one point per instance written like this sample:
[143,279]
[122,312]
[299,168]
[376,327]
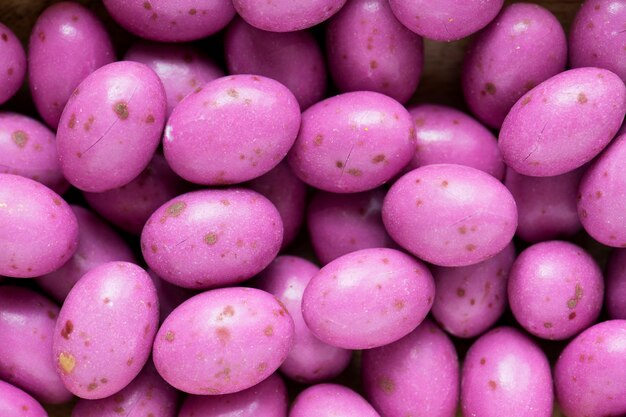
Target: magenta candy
[555,289]
[390,294]
[288,194]
[448,136]
[111,126]
[293,59]
[590,374]
[97,350]
[310,360]
[546,206]
[470,299]
[12,64]
[463,215]
[418,374]
[331,400]
[38,231]
[266,399]
[16,403]
[97,244]
[563,123]
[67,39]
[445,20]
[286,15]
[27,322]
[343,223]
[232,130]
[505,373]
[167,21]
[616,285]
[131,205]
[353,142]
[223,341]
[181,68]
[28,148]
[146,395]
[595,38]
[212,238]
[601,198]
[524,46]
[368,49]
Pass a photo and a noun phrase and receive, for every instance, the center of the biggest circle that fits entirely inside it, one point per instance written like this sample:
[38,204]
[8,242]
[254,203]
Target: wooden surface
[440,83]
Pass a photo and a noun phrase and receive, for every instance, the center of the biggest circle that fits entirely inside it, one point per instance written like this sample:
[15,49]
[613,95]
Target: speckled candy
[111,126]
[506,373]
[97,244]
[450,215]
[27,322]
[470,299]
[616,285]
[38,231]
[266,399]
[590,374]
[343,223]
[555,289]
[522,47]
[12,64]
[390,294]
[563,122]
[181,68]
[167,21]
[147,395]
[234,129]
[105,330]
[546,206]
[67,39]
[445,20]
[286,15]
[212,238]
[16,403]
[601,198]
[223,341]
[353,142]
[293,59]
[288,194]
[595,38]
[448,136]
[130,206]
[368,49]
[417,375]
[310,360]
[325,400]
[28,148]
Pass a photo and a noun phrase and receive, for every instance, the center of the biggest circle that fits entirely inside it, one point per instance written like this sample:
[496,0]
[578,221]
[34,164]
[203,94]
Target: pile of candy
[152,244]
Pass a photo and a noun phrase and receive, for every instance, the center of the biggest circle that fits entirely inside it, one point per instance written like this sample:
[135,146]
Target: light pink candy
[331,400]
[13,400]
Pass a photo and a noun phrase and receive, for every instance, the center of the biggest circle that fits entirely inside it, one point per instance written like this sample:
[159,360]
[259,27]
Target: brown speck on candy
[20,138]
[56,201]
[472,301]
[121,109]
[598,194]
[5,37]
[582,98]
[470,247]
[92,386]
[147,5]
[150,119]
[262,367]
[492,384]
[526,100]
[174,210]
[119,410]
[103,380]
[192,11]
[42,36]
[386,261]
[10,71]
[386,385]
[52,314]
[355,172]
[378,158]
[590,25]
[317,141]
[232,93]
[419,122]
[460,292]
[210,238]
[67,330]
[268,331]
[223,334]
[578,295]
[547,325]
[154,248]
[88,123]
[398,304]
[67,362]
[462,230]
[596,7]
[169,336]
[373,64]
[339,164]
[483,361]
[572,315]
[72,121]
[444,183]
[490,88]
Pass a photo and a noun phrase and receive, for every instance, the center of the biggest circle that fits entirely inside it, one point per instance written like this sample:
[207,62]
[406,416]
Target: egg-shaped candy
[331,400]
[450,215]
[105,330]
[168,21]
[223,341]
[232,130]
[12,64]
[111,126]
[67,39]
[590,374]
[519,49]
[38,231]
[399,379]
[16,403]
[390,294]
[212,238]
[292,58]
[353,142]
[563,123]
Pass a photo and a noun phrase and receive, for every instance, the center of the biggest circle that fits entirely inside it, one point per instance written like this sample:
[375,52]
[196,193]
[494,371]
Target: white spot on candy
[168,133]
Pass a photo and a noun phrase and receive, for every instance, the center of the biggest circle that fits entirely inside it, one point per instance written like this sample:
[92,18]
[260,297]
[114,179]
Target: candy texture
[331,400]
[12,64]
[16,403]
